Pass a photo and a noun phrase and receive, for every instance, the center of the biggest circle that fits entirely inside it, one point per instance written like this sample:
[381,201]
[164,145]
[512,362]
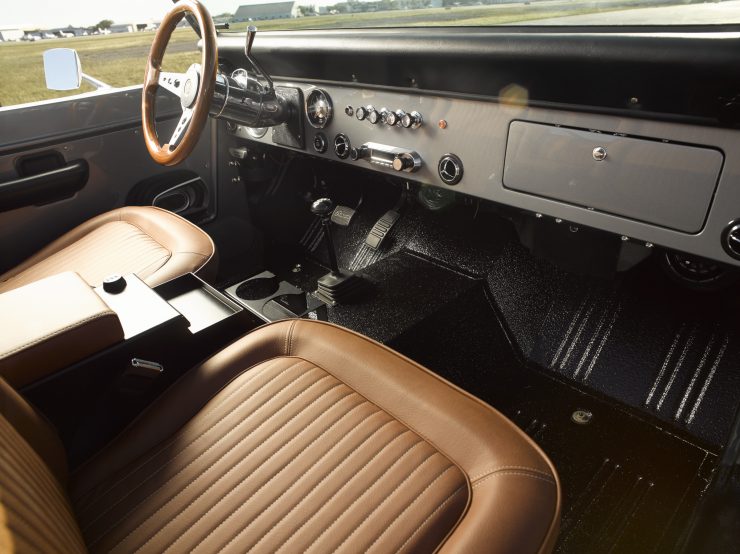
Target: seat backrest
[35,513]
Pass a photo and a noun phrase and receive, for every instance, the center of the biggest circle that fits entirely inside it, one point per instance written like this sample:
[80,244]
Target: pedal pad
[342,215]
[382,229]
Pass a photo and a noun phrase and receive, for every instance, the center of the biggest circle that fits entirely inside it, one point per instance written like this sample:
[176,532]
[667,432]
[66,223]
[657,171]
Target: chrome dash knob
[411,120]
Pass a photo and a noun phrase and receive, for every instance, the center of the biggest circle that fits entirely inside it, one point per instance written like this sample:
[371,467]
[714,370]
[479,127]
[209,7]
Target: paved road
[709,13]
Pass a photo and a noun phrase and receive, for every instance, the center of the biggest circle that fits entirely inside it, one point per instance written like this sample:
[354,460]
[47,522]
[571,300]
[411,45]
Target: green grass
[119,60]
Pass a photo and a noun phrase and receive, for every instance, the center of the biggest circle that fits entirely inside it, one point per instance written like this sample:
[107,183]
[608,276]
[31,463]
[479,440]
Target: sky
[60,13]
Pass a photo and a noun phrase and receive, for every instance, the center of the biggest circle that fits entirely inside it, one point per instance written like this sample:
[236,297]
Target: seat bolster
[517,511]
[180,403]
[190,246]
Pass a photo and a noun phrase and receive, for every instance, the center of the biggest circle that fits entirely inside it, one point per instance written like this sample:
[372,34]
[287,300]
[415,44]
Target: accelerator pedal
[382,229]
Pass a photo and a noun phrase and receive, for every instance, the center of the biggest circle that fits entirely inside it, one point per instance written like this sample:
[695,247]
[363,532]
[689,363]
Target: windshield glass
[323,14]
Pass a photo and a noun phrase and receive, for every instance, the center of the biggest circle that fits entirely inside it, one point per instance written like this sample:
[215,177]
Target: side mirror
[62,69]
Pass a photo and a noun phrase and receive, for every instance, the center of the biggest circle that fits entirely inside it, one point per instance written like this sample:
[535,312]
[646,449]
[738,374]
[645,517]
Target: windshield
[327,14]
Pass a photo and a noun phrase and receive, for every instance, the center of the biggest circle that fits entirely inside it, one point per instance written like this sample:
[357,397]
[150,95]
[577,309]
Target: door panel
[102,131]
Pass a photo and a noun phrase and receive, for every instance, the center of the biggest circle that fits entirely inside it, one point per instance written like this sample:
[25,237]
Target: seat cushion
[155,244]
[303,436]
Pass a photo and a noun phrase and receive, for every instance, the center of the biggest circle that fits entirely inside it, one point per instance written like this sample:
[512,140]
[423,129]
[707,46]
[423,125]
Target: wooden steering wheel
[194,88]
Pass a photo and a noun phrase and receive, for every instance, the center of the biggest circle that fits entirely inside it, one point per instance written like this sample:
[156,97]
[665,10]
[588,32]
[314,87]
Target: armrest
[50,324]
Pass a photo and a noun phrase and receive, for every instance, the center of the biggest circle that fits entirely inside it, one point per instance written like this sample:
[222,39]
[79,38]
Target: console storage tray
[202,305]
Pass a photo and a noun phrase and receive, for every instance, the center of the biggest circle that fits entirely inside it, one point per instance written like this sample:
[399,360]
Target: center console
[162,332]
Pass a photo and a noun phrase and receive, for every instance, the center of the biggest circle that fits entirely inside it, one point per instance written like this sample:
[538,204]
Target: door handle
[44,188]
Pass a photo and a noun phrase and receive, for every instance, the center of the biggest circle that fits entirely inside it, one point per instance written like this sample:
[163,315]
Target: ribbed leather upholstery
[154,244]
[34,512]
[35,515]
[286,458]
[299,437]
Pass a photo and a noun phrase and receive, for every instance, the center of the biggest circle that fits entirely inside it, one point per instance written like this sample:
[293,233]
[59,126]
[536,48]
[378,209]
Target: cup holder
[257,288]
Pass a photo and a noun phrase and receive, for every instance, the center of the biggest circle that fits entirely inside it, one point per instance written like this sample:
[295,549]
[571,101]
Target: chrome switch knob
[411,120]
[361,113]
[391,118]
[373,116]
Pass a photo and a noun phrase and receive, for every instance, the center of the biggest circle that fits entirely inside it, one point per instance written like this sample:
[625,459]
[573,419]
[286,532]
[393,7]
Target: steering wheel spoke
[172,82]
[182,125]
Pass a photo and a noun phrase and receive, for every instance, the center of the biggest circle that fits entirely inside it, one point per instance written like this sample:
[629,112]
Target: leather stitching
[237,444]
[176,435]
[313,465]
[522,473]
[284,445]
[500,468]
[399,419]
[53,334]
[289,338]
[435,377]
[149,477]
[414,501]
[257,367]
[51,501]
[147,234]
[430,516]
[323,479]
[368,516]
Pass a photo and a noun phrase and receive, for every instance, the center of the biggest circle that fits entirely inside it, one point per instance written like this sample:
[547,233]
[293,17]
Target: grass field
[120,59]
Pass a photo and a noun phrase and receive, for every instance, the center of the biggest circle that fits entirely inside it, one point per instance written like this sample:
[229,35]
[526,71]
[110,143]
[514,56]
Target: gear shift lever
[336,286]
[323,208]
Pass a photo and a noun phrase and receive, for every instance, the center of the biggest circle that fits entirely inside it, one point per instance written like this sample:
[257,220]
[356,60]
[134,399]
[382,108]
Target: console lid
[50,324]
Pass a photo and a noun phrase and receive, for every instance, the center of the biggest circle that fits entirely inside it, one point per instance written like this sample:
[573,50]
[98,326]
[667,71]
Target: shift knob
[113,284]
[323,207]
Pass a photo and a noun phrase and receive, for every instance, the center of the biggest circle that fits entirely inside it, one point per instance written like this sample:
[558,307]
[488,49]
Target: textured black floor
[642,340]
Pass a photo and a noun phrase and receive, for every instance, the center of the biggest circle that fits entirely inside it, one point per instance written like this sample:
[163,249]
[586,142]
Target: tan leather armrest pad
[50,324]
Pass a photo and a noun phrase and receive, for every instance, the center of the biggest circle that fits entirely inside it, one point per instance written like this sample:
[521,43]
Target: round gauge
[256,132]
[318,108]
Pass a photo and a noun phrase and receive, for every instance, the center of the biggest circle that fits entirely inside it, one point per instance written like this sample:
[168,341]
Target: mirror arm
[97,83]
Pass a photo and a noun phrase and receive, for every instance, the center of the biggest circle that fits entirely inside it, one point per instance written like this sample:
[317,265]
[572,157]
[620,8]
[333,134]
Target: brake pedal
[382,229]
[343,215]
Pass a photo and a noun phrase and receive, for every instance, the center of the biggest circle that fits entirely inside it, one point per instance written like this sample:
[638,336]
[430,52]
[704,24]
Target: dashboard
[654,183]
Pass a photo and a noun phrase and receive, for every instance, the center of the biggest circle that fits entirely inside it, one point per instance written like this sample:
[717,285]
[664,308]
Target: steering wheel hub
[190,87]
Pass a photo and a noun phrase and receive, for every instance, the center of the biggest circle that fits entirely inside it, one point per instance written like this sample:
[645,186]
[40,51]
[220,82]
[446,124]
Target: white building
[268,10]
[11,35]
[133,27]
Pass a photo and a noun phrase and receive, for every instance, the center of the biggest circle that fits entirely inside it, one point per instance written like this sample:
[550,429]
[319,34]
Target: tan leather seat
[301,436]
[155,244]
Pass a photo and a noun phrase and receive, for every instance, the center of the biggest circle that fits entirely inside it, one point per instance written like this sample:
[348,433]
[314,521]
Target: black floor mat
[643,340]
